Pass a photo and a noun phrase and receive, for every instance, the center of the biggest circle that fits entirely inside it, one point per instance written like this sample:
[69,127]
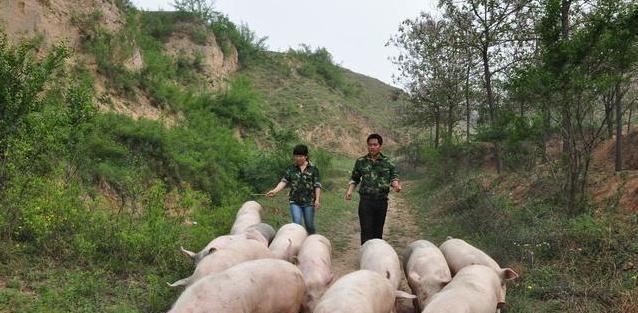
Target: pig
[378,256]
[315,264]
[236,252]
[257,286]
[248,215]
[287,241]
[426,270]
[474,289]
[264,229]
[223,241]
[362,291]
[460,254]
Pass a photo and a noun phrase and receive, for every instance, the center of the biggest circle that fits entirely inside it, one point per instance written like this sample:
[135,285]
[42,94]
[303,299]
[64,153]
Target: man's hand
[271,193]
[317,205]
[396,186]
[348,195]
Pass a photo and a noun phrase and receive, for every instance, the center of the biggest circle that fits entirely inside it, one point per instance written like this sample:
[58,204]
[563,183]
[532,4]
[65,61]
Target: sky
[354,31]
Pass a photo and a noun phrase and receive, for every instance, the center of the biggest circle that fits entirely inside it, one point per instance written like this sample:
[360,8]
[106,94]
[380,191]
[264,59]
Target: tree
[500,32]
[434,69]
[203,9]
[576,73]
[23,88]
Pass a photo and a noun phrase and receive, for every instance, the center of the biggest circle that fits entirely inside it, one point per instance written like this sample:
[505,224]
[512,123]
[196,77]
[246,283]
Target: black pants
[372,213]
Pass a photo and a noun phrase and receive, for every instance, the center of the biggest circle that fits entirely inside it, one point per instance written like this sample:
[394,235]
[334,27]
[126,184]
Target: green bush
[249,47]
[318,64]
[519,137]
[240,104]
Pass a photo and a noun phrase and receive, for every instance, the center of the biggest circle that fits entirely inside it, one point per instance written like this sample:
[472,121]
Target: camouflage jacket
[374,177]
[302,184]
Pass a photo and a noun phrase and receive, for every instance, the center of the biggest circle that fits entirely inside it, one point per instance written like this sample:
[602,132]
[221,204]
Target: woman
[305,188]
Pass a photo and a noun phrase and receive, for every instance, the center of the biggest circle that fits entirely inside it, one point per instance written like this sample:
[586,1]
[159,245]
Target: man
[376,174]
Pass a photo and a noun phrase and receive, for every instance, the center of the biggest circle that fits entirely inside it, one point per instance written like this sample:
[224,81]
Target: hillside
[144,131]
[340,122]
[320,114]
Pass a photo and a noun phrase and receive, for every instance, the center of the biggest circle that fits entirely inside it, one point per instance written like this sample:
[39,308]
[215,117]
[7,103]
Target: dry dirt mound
[215,66]
[605,154]
[52,18]
[607,186]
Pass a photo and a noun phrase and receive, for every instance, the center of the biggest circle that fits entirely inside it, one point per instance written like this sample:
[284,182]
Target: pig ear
[414,276]
[508,274]
[403,294]
[187,253]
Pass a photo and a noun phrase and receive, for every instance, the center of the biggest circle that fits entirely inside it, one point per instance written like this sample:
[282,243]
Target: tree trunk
[450,122]
[618,100]
[609,113]
[629,119]
[564,18]
[572,157]
[437,128]
[490,103]
[467,104]
[547,121]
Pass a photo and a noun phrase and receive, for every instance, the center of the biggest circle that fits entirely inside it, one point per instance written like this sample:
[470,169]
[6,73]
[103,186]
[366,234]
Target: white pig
[378,256]
[460,254]
[264,229]
[287,241]
[258,286]
[426,270]
[248,215]
[474,289]
[236,252]
[362,291]
[315,264]
[223,241]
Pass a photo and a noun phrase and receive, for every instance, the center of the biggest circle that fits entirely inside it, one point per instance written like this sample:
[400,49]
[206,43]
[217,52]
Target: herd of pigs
[257,270]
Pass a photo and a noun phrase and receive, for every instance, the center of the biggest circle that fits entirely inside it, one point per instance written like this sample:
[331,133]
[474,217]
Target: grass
[566,263]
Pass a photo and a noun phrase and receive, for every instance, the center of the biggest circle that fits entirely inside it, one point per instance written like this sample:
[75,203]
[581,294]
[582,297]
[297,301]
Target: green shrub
[240,104]
[319,64]
[249,47]
[199,36]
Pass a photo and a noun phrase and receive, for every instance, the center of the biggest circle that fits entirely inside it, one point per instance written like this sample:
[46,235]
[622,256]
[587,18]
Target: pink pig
[258,286]
[314,261]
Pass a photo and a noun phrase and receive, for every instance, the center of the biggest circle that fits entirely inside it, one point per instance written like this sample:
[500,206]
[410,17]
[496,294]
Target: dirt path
[400,229]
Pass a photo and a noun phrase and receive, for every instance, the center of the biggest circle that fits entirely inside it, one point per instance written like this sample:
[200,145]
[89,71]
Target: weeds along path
[400,229]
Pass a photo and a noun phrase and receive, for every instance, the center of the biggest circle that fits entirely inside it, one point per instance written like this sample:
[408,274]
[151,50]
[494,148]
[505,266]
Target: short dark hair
[375,136]
[300,150]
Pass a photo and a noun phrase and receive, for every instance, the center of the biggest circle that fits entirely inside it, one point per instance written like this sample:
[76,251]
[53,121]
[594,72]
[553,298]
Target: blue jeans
[308,212]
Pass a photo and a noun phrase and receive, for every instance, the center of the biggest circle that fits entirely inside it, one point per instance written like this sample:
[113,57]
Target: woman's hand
[271,193]
[317,204]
